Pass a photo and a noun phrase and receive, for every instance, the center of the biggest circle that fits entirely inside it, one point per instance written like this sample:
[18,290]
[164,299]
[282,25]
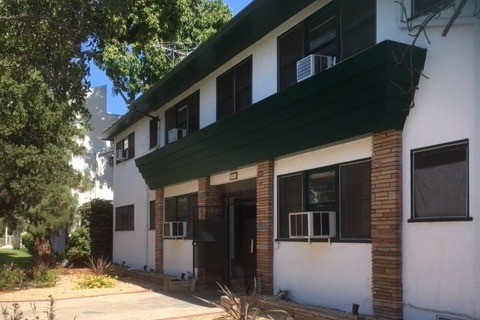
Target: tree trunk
[42,252]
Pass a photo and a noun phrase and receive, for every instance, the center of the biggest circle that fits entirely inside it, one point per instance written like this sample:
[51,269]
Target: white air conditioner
[312,224]
[313,64]
[175,134]
[175,229]
[120,155]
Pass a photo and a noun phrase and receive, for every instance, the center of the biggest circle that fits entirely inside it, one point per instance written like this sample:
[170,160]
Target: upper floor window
[153,133]
[125,148]
[440,182]
[341,29]
[234,89]
[124,218]
[183,118]
[344,189]
[420,7]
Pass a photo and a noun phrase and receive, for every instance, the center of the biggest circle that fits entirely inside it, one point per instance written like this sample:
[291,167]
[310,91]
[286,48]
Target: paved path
[142,305]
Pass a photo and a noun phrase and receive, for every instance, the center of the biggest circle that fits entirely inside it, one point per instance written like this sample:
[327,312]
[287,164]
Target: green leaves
[143,40]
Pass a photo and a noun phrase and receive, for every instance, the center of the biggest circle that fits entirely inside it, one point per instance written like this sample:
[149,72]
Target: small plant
[95,282]
[11,277]
[45,278]
[100,265]
[78,247]
[27,242]
[16,312]
[245,308]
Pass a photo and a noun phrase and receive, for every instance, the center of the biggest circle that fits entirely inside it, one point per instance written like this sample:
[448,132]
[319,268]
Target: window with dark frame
[124,218]
[343,188]
[125,148]
[180,208]
[151,224]
[185,115]
[153,133]
[234,89]
[420,7]
[340,29]
[440,182]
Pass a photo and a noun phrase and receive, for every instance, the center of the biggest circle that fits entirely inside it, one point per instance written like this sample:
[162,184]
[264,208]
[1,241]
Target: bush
[98,214]
[45,278]
[95,282]
[11,277]
[78,246]
[100,265]
[27,242]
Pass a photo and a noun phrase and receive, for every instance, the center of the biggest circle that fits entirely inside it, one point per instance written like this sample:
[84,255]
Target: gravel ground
[64,289]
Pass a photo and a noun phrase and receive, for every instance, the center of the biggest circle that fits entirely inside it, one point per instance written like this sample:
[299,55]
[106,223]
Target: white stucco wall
[440,258]
[333,275]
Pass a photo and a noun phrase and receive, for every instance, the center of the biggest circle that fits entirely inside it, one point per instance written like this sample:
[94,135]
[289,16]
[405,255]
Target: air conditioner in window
[313,64]
[175,134]
[120,155]
[175,229]
[312,224]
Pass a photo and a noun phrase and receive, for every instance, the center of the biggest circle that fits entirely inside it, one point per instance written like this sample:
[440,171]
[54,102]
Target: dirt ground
[68,278]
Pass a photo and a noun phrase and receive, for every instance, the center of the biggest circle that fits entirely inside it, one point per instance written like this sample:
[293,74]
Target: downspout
[147,228]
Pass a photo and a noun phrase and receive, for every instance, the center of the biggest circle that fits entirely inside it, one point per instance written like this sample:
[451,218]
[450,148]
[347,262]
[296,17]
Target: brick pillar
[209,196]
[265,225]
[159,230]
[386,221]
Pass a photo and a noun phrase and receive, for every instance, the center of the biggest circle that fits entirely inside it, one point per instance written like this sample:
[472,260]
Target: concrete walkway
[142,305]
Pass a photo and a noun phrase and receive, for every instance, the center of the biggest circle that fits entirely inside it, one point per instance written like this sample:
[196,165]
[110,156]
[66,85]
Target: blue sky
[98,78]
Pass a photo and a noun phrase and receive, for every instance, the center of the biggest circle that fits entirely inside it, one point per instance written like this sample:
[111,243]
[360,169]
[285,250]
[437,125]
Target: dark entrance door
[210,239]
[244,244]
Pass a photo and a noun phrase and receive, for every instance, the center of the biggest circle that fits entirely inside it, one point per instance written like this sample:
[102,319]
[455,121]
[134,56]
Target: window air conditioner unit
[313,64]
[175,134]
[120,155]
[312,224]
[175,229]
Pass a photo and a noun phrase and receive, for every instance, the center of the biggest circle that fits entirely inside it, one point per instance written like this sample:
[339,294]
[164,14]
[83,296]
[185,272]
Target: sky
[115,104]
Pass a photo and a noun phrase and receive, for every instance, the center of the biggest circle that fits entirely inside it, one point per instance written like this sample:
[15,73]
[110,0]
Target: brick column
[159,230]
[208,195]
[265,225]
[386,222]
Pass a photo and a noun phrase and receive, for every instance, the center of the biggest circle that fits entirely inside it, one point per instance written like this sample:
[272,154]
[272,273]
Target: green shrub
[11,277]
[78,246]
[45,278]
[95,282]
[98,215]
[27,242]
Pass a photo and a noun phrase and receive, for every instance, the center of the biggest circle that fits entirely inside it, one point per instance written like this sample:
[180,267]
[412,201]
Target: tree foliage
[44,57]
[140,41]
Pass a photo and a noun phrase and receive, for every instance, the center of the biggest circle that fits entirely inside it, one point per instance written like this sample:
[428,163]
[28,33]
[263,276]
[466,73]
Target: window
[234,89]
[341,30]
[152,215]
[124,218]
[420,7]
[153,133]
[180,208]
[125,148]
[440,182]
[183,118]
[344,189]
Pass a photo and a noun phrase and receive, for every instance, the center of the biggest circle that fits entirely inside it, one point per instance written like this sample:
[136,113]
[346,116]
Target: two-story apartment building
[353,182]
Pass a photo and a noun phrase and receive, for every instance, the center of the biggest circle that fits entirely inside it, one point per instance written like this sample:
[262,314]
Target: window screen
[152,215]
[153,133]
[290,50]
[290,200]
[124,218]
[355,195]
[440,181]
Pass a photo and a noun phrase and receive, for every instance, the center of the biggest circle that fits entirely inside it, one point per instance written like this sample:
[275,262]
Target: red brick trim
[159,230]
[265,225]
[386,222]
